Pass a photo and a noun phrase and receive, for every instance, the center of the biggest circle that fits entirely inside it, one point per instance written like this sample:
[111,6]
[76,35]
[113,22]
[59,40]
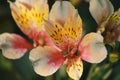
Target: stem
[90,74]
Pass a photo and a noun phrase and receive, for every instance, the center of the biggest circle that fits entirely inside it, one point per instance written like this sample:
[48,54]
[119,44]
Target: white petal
[13,46]
[61,10]
[46,60]
[100,9]
[30,2]
[92,48]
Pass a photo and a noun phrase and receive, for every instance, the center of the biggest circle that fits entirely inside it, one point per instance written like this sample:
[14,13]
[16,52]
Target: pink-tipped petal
[13,46]
[46,60]
[74,68]
[92,48]
[100,10]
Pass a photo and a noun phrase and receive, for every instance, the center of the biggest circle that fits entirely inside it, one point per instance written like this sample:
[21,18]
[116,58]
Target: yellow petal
[73,27]
[74,68]
[56,32]
[21,14]
[39,12]
[30,17]
[64,31]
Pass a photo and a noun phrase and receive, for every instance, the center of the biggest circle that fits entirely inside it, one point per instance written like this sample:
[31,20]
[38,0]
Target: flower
[28,14]
[108,21]
[64,27]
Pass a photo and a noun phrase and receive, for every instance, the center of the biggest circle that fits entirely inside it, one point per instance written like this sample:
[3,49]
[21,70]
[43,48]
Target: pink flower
[28,14]
[65,29]
[108,21]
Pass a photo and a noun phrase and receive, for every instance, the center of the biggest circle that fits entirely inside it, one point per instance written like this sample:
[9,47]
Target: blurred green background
[21,69]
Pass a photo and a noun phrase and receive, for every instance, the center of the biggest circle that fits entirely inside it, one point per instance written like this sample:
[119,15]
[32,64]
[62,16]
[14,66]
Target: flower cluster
[57,36]
[108,21]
